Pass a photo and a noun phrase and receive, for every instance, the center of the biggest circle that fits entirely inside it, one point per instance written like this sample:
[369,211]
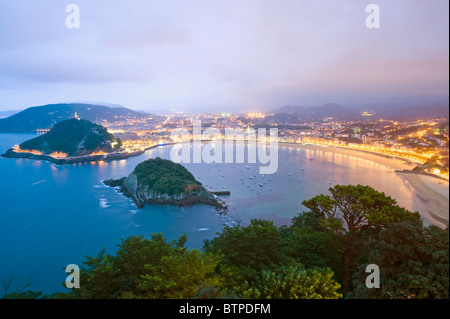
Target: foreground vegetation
[323,254]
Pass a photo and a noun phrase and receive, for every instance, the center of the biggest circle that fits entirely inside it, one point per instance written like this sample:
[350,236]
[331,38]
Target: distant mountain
[333,110]
[4,114]
[44,117]
[75,138]
[434,110]
[283,118]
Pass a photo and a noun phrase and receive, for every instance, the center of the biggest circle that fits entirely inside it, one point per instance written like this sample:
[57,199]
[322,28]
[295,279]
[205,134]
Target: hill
[75,138]
[165,177]
[44,117]
[422,111]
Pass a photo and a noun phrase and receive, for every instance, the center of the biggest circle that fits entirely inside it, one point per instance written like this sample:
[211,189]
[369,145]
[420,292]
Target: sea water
[54,215]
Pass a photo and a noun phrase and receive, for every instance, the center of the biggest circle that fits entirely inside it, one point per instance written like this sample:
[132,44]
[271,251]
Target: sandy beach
[433,192]
[430,191]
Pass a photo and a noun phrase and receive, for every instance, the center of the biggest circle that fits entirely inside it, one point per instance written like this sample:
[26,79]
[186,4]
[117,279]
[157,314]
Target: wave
[103,203]
[38,182]
[101,185]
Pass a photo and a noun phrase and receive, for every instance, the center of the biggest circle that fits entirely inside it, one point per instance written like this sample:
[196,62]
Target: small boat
[261,185]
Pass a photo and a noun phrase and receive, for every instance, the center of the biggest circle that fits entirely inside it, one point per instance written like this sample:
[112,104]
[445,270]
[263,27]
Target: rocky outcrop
[142,195]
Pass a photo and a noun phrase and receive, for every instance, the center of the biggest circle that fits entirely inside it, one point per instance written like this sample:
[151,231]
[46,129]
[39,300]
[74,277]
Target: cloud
[252,52]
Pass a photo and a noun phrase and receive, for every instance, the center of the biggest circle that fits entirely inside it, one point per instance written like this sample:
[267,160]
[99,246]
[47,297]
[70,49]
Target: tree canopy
[146,268]
[165,177]
[351,214]
[249,249]
[413,262]
[294,282]
[74,137]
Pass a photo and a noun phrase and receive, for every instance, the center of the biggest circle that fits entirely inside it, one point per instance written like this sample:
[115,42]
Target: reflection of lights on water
[102,164]
[36,163]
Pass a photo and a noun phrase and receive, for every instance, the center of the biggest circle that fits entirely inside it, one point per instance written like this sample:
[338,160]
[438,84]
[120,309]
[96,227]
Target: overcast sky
[223,54]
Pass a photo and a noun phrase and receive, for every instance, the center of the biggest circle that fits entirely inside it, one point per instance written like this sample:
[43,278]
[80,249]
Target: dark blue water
[52,216]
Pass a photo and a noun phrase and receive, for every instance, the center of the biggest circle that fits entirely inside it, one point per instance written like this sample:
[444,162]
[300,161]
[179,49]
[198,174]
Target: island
[163,182]
[72,141]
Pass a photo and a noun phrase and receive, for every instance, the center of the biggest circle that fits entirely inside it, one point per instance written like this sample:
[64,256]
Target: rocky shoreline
[141,198]
[10,153]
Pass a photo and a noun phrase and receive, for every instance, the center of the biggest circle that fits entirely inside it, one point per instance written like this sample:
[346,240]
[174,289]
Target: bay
[54,215]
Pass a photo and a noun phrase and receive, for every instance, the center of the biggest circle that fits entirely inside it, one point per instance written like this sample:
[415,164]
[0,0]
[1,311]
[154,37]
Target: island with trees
[163,182]
[72,141]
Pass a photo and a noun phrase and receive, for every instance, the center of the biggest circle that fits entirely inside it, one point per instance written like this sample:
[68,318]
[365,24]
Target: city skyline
[229,56]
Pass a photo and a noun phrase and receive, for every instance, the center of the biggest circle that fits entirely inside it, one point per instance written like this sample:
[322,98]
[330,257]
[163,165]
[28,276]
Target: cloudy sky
[223,54]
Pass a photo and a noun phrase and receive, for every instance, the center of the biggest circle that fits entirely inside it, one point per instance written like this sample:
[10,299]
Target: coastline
[70,160]
[391,162]
[432,191]
[10,153]
[203,197]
